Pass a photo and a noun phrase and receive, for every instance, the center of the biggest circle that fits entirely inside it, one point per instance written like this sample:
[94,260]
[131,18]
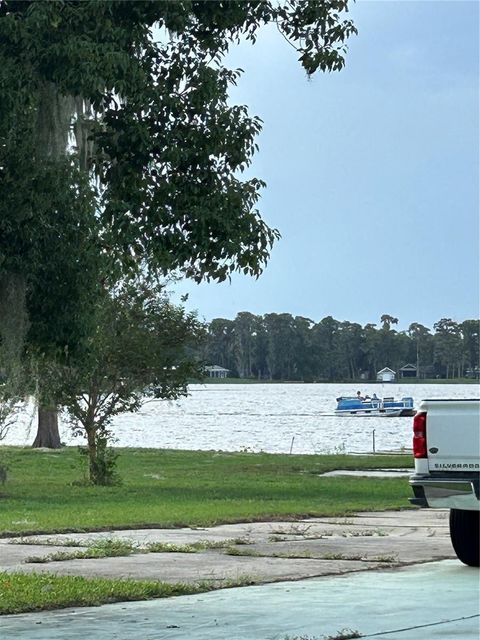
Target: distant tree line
[279,346]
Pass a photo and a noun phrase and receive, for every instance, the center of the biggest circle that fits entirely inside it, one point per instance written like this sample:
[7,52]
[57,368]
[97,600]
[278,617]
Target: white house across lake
[386,375]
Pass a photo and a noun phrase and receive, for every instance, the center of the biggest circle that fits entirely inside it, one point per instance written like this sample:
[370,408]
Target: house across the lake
[408,371]
[386,375]
[217,372]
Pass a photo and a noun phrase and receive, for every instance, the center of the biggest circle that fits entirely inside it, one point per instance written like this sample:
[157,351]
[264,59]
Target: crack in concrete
[421,626]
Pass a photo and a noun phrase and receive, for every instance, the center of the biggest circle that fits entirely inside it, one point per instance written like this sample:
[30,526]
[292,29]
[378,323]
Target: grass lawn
[22,593]
[168,488]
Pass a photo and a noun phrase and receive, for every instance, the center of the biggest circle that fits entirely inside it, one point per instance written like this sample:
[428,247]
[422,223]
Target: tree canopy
[146,89]
[285,347]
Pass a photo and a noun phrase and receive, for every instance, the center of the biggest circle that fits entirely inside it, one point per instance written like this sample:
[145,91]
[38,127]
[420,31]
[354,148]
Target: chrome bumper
[458,493]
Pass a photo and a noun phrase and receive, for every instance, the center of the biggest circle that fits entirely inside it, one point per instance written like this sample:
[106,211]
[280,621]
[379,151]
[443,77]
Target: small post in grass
[291,446]
[373,440]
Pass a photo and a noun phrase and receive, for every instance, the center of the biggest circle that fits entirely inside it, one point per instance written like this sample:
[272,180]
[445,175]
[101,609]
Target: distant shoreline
[352,382]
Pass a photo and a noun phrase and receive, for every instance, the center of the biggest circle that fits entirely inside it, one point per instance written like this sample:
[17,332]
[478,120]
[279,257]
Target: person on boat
[374,397]
[360,397]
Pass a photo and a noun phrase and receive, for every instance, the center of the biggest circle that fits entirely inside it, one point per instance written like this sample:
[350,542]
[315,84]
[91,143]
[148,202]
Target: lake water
[274,418]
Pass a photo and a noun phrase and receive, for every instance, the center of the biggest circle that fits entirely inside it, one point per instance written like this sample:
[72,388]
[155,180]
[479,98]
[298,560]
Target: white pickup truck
[446,448]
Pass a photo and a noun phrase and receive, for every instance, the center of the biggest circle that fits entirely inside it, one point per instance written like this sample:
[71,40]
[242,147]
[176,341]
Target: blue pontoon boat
[375,407]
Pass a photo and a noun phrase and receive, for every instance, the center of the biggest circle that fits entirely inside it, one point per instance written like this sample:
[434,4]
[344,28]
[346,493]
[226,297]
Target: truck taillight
[420,435]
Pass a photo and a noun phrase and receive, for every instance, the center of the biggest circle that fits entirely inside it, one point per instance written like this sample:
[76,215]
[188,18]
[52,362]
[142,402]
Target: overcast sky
[372,173]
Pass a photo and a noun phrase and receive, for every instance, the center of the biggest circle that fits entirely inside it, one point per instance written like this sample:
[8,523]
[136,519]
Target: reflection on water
[263,417]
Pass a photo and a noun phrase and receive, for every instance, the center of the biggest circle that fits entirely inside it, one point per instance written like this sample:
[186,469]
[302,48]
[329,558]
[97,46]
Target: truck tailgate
[453,434]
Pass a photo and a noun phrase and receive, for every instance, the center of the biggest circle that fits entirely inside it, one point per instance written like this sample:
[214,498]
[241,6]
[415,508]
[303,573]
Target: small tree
[142,348]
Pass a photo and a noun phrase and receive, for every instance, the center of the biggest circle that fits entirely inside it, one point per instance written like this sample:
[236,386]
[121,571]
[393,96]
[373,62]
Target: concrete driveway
[389,575]
[436,601]
[258,552]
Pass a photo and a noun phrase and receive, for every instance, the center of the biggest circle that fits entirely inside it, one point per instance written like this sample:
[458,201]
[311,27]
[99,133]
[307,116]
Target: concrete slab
[433,601]
[393,522]
[211,567]
[13,556]
[275,550]
[373,473]
[373,549]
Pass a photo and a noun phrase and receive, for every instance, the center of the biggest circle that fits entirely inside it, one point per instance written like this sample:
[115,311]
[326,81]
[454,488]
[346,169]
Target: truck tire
[464,534]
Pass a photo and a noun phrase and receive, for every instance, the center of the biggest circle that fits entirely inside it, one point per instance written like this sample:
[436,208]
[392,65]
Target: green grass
[166,488]
[112,548]
[437,381]
[20,592]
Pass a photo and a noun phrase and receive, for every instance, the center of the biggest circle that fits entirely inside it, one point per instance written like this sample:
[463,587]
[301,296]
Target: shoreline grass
[171,488]
[402,381]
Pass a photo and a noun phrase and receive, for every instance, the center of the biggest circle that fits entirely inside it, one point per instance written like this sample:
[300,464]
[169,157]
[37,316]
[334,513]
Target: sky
[372,173]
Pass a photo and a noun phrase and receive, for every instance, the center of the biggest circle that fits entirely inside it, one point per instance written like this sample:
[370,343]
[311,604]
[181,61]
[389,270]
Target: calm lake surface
[262,417]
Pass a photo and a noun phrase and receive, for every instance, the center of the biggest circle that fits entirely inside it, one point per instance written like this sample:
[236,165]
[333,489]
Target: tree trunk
[92,455]
[48,435]
[54,115]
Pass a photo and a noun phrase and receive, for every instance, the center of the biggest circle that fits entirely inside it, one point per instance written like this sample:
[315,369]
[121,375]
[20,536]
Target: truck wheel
[464,534]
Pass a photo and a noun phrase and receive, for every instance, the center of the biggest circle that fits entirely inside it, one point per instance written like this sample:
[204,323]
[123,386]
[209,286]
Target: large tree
[448,347]
[470,330]
[244,339]
[325,343]
[220,344]
[420,335]
[134,95]
[350,343]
